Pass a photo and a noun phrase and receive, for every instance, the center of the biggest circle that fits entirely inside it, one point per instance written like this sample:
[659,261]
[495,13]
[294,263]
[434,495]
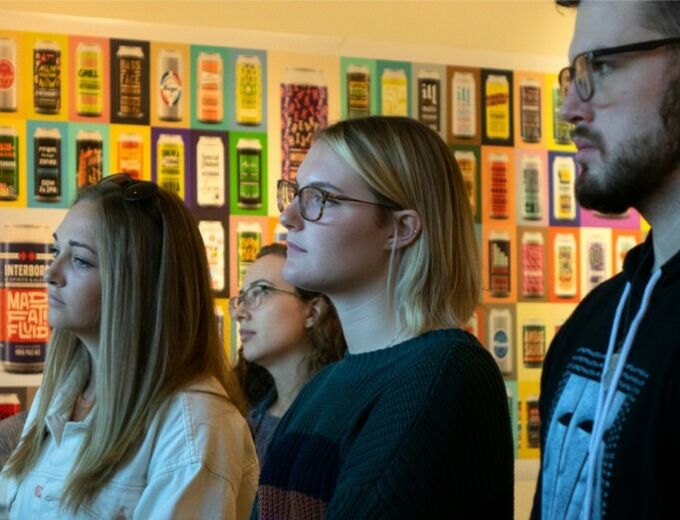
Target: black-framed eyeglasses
[132,190]
[313,199]
[251,298]
[580,72]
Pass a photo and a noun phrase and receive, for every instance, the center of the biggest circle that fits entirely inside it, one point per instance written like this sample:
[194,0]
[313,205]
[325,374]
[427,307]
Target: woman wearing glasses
[138,414]
[413,422]
[287,335]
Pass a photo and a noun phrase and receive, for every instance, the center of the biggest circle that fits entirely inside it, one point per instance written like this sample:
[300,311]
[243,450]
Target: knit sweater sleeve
[450,457]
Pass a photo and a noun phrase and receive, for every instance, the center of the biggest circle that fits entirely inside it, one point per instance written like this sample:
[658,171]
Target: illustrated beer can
[170,76]
[210,172]
[531,187]
[624,243]
[463,115]
[498,164]
[561,128]
[497,91]
[358,91]
[248,90]
[565,265]
[48,164]
[130,66]
[394,92]
[499,263]
[210,85]
[530,110]
[500,337]
[170,163]
[596,266]
[8,75]
[9,405]
[24,258]
[533,262]
[564,198]
[467,162]
[429,99]
[89,157]
[46,77]
[248,242]
[9,163]
[304,111]
[212,232]
[533,422]
[533,341]
[89,79]
[131,154]
[249,173]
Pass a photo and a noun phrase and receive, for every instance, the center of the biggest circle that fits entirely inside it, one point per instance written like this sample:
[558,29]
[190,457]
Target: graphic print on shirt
[570,427]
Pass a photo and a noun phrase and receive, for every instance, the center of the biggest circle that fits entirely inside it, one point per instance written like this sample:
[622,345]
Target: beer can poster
[497,107]
[47,76]
[207,182]
[129,63]
[247,90]
[89,154]
[170,161]
[248,173]
[394,88]
[210,109]
[47,164]
[304,111]
[24,257]
[498,185]
[464,115]
[429,96]
[358,87]
[89,79]
[499,257]
[529,118]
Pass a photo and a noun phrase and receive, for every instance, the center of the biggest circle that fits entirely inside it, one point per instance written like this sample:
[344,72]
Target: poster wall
[220,125]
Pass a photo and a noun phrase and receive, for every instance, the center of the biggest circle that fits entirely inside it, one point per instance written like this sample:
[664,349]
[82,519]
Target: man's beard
[639,167]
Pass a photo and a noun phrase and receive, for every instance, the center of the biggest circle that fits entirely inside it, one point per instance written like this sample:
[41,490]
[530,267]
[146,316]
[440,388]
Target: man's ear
[317,308]
[406,227]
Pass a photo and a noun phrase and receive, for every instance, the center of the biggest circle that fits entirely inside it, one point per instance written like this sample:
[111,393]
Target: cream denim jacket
[197,460]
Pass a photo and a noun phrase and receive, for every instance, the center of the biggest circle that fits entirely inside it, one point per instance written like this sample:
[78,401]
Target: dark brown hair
[663,16]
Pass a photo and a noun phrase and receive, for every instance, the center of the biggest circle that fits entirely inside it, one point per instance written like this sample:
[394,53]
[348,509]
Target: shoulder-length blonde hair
[158,332]
[435,280]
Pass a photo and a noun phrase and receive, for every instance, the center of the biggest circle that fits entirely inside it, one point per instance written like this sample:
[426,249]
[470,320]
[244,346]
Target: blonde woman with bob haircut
[413,422]
[138,415]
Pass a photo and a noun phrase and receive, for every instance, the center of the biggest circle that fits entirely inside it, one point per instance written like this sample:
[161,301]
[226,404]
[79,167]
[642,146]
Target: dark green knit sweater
[418,430]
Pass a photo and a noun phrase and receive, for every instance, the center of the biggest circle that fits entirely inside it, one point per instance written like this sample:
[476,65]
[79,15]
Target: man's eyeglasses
[581,70]
[251,298]
[132,190]
[313,199]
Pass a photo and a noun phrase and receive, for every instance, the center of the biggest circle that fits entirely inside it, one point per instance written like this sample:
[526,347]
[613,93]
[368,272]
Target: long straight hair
[434,282]
[158,333]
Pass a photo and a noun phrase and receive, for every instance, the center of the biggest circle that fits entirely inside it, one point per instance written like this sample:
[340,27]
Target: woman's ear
[317,308]
[406,227]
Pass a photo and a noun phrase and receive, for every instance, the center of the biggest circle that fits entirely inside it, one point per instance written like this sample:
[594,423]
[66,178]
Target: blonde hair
[158,333]
[435,280]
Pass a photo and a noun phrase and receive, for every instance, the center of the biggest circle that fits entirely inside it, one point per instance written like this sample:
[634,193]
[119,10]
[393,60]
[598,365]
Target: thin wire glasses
[582,74]
[312,199]
[251,298]
[133,190]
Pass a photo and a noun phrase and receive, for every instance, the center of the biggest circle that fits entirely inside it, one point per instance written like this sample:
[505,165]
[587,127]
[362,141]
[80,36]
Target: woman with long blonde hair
[413,422]
[138,414]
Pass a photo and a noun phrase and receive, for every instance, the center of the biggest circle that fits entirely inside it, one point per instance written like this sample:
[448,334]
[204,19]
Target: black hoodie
[640,453]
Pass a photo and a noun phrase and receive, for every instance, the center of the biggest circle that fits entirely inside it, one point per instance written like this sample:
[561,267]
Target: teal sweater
[418,430]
